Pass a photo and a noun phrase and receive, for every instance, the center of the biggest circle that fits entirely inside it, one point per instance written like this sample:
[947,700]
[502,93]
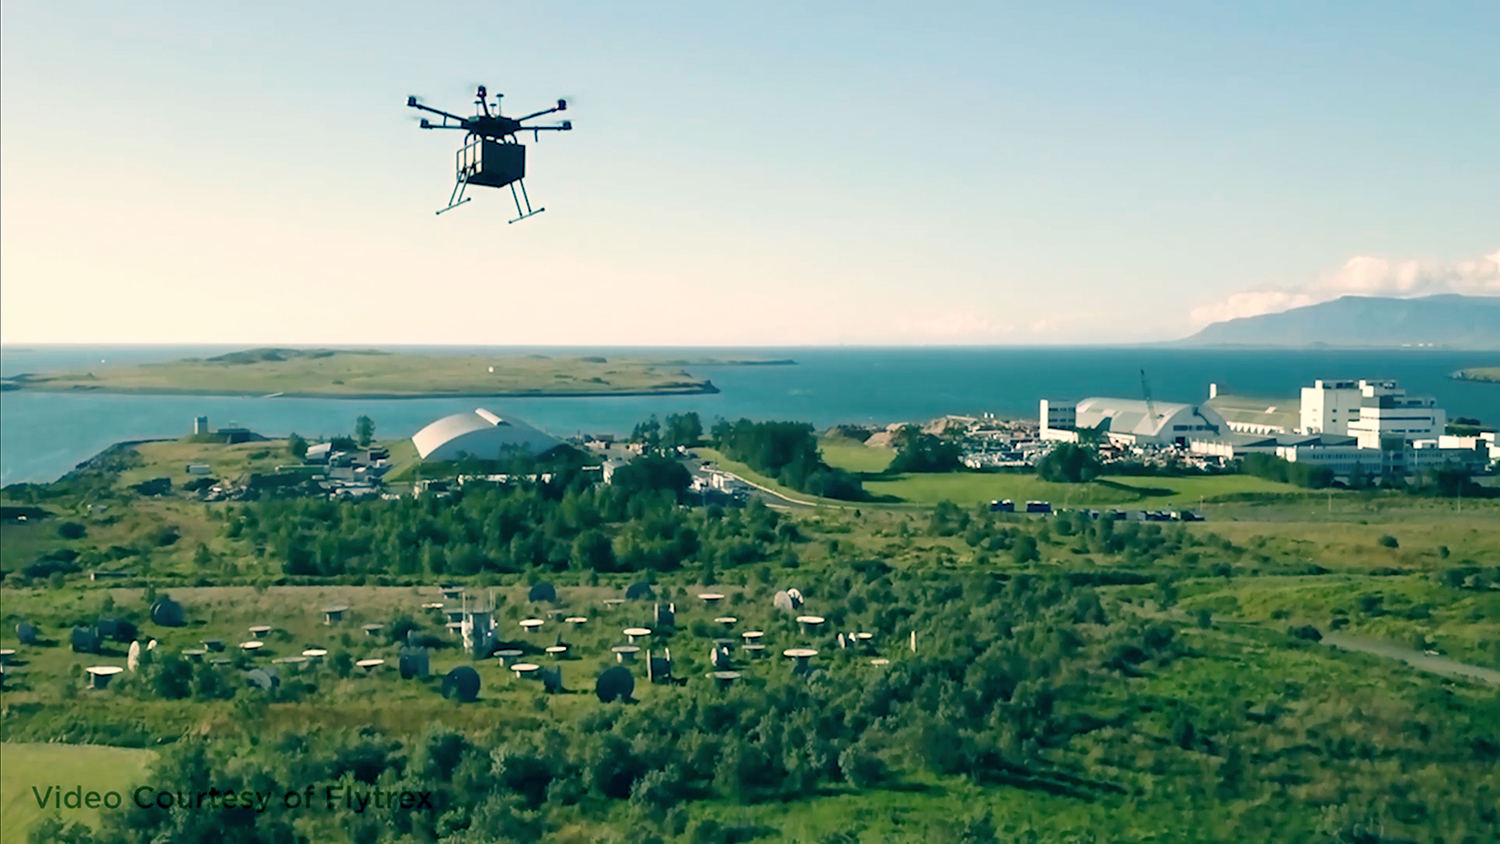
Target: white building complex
[1370,411]
[1131,422]
[480,434]
[1370,428]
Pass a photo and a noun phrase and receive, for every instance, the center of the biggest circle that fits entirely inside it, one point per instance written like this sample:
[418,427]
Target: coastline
[706,388]
[1482,375]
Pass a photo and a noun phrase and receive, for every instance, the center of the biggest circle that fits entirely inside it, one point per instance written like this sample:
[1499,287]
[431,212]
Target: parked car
[1006,506]
[1038,507]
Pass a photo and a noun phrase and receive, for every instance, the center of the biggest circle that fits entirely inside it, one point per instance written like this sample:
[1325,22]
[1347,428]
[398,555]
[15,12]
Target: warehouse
[1133,422]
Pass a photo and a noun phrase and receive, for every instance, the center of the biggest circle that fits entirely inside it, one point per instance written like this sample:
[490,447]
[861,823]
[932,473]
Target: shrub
[1307,632]
[71,530]
[1388,541]
[861,768]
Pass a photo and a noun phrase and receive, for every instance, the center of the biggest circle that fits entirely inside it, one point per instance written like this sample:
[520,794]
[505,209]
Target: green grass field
[1429,533]
[854,456]
[94,767]
[397,375]
[169,459]
[968,488]
[1465,626]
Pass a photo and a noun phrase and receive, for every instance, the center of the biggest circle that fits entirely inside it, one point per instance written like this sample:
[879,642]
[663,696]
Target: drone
[491,157]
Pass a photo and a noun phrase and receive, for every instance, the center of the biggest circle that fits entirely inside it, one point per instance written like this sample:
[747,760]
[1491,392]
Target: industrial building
[1131,421]
[1352,427]
[1370,411]
[480,434]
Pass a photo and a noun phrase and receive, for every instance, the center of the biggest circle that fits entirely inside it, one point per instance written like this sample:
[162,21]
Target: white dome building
[481,435]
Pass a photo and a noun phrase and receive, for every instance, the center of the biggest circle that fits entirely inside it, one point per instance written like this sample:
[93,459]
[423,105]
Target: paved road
[1413,657]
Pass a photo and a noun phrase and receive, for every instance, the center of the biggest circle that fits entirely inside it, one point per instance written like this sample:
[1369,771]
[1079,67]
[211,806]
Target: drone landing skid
[457,198]
[518,197]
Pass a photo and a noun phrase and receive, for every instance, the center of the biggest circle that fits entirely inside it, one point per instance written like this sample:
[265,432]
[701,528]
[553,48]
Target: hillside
[1467,322]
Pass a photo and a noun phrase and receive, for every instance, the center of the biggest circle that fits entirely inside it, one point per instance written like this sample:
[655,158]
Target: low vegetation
[1073,678]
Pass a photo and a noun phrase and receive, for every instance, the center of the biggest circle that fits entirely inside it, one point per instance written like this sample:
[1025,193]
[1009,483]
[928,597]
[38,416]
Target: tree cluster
[919,451]
[787,452]
[1071,463]
[1284,471]
[633,524]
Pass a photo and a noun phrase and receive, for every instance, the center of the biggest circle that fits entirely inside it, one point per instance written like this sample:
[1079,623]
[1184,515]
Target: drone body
[491,156]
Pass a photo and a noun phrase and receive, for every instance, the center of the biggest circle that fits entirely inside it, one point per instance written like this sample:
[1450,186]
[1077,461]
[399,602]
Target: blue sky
[740,174]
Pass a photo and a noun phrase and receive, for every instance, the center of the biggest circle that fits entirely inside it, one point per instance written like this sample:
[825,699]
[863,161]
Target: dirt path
[1413,657]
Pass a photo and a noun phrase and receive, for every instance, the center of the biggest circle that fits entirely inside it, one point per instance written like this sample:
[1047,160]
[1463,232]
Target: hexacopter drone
[491,157]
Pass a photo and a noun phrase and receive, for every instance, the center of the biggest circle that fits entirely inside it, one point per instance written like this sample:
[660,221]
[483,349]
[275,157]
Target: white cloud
[1364,276]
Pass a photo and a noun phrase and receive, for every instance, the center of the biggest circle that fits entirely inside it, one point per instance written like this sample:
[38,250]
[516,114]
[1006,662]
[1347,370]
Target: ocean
[44,435]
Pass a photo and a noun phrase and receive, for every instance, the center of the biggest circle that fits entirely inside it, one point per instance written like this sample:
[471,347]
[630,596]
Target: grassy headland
[1479,373]
[369,373]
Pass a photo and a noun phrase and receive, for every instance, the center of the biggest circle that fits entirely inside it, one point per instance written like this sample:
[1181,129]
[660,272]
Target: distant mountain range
[1449,320]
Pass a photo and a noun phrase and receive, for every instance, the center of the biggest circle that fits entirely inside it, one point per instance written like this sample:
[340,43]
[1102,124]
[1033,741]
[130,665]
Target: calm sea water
[43,435]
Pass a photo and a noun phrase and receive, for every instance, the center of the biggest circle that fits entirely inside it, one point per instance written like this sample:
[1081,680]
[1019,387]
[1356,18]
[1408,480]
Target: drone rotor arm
[411,103]
[553,110]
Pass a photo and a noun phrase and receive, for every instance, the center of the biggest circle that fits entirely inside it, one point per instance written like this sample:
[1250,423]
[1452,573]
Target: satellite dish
[262,679]
[796,596]
[461,684]
[782,601]
[28,634]
[615,684]
[666,616]
[543,591]
[639,591]
[85,640]
[168,613]
[133,657]
[552,680]
[414,663]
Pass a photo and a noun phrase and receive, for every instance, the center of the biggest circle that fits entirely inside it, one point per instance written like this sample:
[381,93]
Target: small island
[1479,373]
[380,374]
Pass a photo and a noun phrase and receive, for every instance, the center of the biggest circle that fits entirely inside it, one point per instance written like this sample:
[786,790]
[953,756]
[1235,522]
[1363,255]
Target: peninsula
[373,373]
[1479,373]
